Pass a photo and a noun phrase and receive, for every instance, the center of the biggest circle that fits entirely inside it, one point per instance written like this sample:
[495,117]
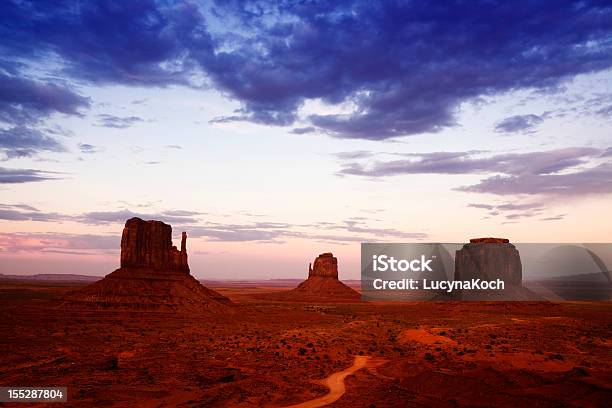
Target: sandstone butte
[491,259]
[322,284]
[154,276]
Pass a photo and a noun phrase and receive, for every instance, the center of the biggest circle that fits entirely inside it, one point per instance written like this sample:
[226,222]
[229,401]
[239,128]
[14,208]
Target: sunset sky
[273,131]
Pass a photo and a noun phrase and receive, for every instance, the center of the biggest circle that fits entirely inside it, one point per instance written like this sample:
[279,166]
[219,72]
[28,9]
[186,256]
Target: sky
[272,131]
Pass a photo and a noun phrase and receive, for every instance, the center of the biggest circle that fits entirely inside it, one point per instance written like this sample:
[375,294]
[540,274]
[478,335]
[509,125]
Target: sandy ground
[280,354]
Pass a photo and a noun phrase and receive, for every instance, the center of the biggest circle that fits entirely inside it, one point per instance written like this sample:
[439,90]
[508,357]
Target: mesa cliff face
[148,244]
[154,276]
[325,266]
[490,259]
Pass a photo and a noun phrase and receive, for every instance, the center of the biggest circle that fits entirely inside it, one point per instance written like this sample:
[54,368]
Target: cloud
[355,230]
[303,130]
[74,244]
[597,180]
[117,122]
[570,171]
[404,67]
[22,212]
[24,104]
[21,141]
[474,162]
[554,218]
[27,213]
[174,217]
[86,39]
[519,123]
[16,176]
[88,148]
[25,101]
[357,154]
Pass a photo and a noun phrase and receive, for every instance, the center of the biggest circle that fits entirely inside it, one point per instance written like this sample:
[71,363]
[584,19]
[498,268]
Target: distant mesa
[154,276]
[490,259]
[322,284]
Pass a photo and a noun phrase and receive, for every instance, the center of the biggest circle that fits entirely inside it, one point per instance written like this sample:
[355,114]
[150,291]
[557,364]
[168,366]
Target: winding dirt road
[335,383]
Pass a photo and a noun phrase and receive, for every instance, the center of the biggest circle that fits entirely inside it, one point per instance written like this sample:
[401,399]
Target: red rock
[325,266]
[322,284]
[489,240]
[154,276]
[489,259]
[148,244]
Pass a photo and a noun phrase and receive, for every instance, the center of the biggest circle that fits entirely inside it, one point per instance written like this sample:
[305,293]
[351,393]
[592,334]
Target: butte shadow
[154,277]
[322,284]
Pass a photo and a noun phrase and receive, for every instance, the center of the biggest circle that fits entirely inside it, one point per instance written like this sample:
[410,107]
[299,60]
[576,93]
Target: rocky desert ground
[150,335]
[280,353]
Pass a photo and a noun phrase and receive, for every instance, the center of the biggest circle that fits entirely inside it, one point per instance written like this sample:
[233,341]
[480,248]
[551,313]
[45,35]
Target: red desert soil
[275,353]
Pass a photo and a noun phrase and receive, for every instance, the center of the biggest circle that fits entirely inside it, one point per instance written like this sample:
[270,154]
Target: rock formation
[325,266]
[148,244]
[154,276]
[491,259]
[322,284]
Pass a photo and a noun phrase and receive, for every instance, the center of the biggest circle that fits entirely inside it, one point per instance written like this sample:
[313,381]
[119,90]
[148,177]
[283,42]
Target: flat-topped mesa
[325,265]
[148,244]
[489,259]
[489,240]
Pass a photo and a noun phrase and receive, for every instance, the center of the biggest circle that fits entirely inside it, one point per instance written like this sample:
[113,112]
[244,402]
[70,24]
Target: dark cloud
[139,42]
[21,141]
[519,123]
[24,104]
[25,101]
[117,122]
[16,176]
[406,67]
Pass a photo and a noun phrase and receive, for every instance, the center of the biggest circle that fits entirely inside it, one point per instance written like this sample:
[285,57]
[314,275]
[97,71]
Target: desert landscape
[150,335]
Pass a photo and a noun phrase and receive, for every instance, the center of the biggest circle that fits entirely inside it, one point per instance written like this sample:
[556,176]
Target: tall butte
[490,259]
[154,276]
[322,284]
